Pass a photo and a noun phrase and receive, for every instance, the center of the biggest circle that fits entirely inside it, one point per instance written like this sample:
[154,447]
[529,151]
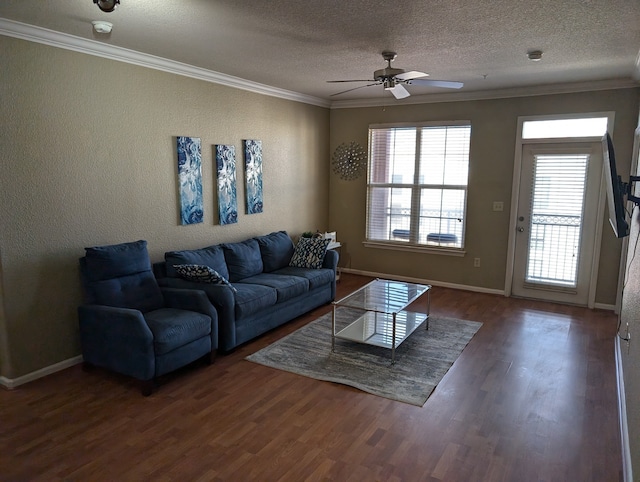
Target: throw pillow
[202,274]
[309,253]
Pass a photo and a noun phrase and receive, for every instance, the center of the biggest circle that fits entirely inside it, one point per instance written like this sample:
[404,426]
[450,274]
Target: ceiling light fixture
[101,26]
[107,5]
[389,84]
[534,55]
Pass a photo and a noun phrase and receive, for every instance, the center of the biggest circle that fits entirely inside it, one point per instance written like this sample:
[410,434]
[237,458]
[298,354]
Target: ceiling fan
[393,79]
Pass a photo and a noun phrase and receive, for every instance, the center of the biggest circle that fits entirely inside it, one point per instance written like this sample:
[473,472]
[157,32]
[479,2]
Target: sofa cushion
[120,275]
[201,274]
[251,298]
[309,253]
[138,291]
[276,249]
[316,277]
[106,262]
[286,286]
[173,328]
[212,256]
[243,259]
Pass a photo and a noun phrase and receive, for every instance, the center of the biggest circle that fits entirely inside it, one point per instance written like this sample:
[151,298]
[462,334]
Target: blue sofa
[264,290]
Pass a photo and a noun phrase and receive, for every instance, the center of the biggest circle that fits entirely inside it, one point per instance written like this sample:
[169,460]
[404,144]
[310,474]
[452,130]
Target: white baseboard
[408,279]
[444,284]
[43,372]
[604,306]
[627,469]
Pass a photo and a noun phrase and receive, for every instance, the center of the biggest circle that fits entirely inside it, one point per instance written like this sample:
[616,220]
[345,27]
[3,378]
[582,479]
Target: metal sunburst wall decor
[349,161]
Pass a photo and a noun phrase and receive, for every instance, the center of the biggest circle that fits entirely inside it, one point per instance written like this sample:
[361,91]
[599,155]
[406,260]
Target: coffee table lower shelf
[375,328]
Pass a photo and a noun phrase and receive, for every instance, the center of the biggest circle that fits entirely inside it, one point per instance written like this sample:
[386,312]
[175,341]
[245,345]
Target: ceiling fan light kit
[392,79]
[534,55]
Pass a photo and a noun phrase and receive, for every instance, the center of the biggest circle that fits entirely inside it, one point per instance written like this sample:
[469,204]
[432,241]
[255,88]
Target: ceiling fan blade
[413,74]
[360,80]
[355,88]
[399,92]
[447,84]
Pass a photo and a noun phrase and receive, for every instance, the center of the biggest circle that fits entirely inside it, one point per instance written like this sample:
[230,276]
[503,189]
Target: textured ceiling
[298,45]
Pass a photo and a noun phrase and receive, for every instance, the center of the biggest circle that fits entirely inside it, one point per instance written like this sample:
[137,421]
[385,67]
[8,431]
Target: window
[557,215]
[570,127]
[417,184]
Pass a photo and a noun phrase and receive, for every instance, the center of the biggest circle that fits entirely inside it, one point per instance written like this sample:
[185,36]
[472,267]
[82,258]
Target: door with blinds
[556,224]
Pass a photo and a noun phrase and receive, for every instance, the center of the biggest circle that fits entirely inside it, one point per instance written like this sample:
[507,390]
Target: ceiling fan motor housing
[387,73]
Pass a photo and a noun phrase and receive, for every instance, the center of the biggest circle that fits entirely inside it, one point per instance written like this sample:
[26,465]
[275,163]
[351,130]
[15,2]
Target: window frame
[412,245]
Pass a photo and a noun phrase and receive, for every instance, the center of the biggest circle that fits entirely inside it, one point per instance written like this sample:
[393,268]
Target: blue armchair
[131,325]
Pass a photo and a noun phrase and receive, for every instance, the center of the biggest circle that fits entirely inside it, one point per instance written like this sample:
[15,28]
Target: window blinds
[417,182]
[558,191]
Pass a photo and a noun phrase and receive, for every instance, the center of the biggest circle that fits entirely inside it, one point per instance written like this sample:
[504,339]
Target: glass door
[556,224]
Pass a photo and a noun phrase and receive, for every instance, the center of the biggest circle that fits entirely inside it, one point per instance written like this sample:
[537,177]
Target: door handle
[521,230]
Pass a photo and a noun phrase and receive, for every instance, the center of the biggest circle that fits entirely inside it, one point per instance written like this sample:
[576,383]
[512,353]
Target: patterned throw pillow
[309,253]
[202,274]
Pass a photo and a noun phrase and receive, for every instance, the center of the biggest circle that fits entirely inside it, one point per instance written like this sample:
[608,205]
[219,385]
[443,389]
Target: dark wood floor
[531,398]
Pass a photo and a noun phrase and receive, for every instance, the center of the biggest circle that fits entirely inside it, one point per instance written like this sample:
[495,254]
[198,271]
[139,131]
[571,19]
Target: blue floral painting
[253,175]
[226,171]
[190,178]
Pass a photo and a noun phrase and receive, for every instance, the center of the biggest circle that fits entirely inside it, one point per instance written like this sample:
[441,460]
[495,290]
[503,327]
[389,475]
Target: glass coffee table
[385,321]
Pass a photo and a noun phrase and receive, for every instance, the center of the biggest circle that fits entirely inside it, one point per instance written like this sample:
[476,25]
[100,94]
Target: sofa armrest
[223,300]
[331,259]
[118,339]
[193,300]
[219,295]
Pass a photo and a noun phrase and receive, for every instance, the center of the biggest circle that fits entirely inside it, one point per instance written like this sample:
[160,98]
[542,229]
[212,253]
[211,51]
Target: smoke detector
[100,26]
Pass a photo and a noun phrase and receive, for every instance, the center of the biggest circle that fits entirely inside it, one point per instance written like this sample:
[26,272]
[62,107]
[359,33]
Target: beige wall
[494,125]
[88,158]
[630,351]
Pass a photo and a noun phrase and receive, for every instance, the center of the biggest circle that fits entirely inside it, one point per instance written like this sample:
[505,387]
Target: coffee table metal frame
[385,321]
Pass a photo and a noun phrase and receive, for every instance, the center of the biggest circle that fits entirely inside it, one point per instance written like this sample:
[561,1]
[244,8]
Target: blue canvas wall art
[226,171]
[253,175]
[190,179]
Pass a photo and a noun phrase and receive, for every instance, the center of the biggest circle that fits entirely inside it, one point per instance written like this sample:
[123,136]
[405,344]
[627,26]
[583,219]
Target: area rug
[421,360]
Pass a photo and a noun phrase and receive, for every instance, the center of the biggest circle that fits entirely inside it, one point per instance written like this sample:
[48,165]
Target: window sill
[418,249]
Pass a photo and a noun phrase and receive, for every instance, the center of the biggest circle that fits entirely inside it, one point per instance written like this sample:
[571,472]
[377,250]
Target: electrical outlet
[498,206]
[476,262]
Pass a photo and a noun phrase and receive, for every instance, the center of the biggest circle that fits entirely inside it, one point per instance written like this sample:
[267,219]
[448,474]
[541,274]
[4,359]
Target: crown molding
[52,38]
[529,91]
